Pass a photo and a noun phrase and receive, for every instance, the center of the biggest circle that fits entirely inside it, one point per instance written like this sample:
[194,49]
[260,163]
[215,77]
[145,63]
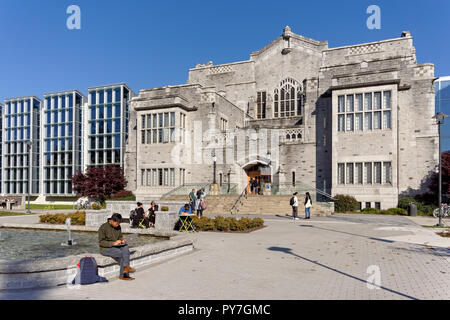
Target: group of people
[4,203]
[255,186]
[138,217]
[294,204]
[112,244]
[196,202]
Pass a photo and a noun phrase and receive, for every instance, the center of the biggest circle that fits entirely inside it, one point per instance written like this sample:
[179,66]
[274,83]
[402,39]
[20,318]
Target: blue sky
[150,44]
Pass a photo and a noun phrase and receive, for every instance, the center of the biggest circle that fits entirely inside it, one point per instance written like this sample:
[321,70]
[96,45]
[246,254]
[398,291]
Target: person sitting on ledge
[152,213]
[112,244]
[185,210]
[140,220]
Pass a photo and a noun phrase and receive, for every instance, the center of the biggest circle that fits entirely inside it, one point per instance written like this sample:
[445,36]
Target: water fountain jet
[70,242]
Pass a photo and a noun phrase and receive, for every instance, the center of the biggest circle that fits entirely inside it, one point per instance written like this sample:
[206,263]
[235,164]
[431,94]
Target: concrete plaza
[321,258]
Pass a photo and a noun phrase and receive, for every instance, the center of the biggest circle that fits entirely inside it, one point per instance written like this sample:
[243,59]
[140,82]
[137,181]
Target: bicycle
[445,211]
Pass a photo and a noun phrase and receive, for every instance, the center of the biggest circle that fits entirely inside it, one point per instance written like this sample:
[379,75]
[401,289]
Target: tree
[434,186]
[432,196]
[99,182]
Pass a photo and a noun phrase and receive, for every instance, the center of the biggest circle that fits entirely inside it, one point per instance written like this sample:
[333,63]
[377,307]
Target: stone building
[351,120]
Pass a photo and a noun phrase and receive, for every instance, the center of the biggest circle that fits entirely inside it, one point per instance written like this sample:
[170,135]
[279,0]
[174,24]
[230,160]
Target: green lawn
[9,213]
[50,206]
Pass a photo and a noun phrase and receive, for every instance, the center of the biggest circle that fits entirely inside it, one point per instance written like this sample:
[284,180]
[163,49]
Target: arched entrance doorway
[260,173]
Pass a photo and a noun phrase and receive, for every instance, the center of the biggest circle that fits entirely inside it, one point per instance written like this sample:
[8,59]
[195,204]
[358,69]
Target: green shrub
[226,224]
[344,203]
[370,211]
[234,224]
[76,218]
[391,211]
[423,209]
[221,224]
[255,223]
[398,211]
[404,202]
[244,222]
[96,206]
[164,208]
[203,224]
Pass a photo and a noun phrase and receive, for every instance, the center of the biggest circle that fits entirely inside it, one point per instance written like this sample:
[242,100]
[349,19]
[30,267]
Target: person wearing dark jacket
[308,204]
[112,244]
[140,216]
[152,213]
[192,199]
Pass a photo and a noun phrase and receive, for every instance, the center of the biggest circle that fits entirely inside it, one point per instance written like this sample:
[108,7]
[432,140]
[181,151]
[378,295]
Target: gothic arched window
[288,99]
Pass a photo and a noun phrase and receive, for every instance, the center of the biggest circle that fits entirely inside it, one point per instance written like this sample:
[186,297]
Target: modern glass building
[21,146]
[442,90]
[107,124]
[63,141]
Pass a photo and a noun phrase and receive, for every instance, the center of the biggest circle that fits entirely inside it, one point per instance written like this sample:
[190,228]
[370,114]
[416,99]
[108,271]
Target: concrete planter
[164,220]
[96,217]
[124,207]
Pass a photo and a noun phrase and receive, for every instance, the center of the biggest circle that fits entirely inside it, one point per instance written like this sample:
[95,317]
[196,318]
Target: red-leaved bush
[99,183]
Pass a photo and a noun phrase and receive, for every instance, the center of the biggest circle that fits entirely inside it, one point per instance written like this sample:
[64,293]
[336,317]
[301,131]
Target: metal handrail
[171,191]
[202,185]
[244,193]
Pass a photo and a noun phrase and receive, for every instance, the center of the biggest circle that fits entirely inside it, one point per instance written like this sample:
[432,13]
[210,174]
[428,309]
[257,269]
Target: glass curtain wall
[62,132]
[108,118]
[21,146]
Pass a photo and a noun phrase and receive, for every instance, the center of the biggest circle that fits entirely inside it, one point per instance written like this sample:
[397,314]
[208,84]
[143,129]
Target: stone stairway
[262,205]
[214,204]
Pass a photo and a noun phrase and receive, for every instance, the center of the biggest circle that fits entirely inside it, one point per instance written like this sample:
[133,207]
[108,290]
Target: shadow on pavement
[289,251]
[349,233]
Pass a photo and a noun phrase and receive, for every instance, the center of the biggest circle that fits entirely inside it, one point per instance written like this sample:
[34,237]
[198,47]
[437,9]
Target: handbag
[203,205]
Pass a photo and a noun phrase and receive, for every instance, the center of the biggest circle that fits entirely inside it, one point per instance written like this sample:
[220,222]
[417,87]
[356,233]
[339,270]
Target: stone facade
[241,113]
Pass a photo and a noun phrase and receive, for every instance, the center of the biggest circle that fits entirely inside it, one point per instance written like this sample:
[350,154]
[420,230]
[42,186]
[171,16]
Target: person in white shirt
[308,204]
[295,207]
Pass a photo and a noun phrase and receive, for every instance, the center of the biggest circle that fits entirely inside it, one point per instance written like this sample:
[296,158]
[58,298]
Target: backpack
[133,216]
[88,272]
[292,201]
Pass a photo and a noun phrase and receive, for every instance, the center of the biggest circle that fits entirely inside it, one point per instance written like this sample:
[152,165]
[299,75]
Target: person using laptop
[112,244]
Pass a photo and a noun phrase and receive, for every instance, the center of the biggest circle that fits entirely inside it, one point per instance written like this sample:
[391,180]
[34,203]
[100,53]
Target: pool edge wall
[61,271]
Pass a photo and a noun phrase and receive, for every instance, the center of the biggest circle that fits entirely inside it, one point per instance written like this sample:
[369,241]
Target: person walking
[308,204]
[251,185]
[200,202]
[255,186]
[192,199]
[294,204]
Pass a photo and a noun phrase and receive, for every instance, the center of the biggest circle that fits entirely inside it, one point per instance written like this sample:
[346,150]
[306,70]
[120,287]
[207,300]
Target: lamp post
[214,168]
[440,120]
[29,145]
[229,177]
[268,184]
